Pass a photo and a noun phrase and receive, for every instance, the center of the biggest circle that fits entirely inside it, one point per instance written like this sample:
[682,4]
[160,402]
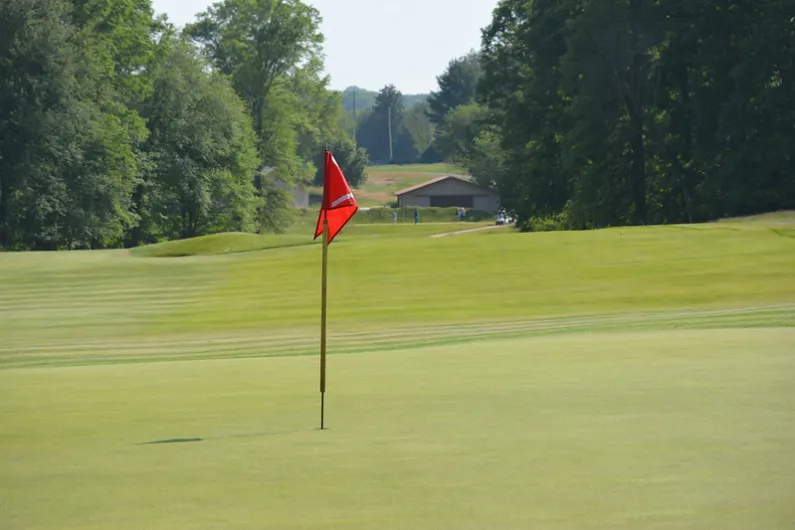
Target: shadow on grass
[173,441]
[225,437]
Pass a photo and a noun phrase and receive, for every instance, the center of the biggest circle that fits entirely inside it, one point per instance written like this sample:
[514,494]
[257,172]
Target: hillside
[114,296]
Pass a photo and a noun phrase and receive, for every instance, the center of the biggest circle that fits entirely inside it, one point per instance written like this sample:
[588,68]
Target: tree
[635,111]
[458,131]
[352,161]
[258,43]
[608,72]
[317,110]
[37,86]
[457,86]
[419,126]
[485,159]
[385,123]
[521,86]
[67,159]
[203,149]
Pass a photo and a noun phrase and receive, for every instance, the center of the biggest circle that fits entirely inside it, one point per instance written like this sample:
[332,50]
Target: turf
[220,244]
[441,168]
[678,429]
[300,234]
[621,378]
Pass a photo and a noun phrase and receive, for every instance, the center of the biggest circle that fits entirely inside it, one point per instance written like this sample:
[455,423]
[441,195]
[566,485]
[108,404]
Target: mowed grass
[775,218]
[450,169]
[302,233]
[676,429]
[389,285]
[220,244]
[623,378]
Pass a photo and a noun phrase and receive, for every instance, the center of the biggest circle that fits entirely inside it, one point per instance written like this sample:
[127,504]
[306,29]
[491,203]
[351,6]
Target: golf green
[634,378]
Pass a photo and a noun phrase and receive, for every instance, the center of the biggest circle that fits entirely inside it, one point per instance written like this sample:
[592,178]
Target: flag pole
[323,292]
[338,207]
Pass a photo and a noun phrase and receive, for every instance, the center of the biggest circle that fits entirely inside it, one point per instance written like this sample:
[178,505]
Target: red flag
[338,202]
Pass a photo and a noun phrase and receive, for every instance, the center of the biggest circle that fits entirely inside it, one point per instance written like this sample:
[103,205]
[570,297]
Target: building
[449,192]
[299,192]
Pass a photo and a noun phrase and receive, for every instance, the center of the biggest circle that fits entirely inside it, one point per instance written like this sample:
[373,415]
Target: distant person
[416,216]
[394,217]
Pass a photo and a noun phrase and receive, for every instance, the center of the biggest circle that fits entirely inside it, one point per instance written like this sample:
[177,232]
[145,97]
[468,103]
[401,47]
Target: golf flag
[337,209]
[338,203]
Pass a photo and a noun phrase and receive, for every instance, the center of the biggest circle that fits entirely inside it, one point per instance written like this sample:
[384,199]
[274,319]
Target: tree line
[117,129]
[592,113]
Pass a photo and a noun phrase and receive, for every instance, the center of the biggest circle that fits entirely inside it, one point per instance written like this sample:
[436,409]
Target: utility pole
[389,119]
[354,119]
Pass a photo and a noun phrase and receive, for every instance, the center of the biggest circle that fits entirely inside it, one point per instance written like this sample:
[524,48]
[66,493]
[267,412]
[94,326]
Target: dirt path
[458,232]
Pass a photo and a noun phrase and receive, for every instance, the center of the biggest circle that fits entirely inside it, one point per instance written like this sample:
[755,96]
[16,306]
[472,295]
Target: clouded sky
[370,43]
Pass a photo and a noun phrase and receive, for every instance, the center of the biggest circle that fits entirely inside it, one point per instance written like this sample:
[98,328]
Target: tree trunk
[635,109]
[687,137]
[5,225]
[638,166]
[259,102]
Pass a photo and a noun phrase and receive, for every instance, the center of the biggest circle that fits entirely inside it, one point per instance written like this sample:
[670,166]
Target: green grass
[388,285]
[301,233]
[681,429]
[632,378]
[423,168]
[219,244]
[772,217]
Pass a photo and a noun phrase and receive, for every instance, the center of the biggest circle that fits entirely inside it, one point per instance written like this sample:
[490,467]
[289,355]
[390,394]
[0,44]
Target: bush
[552,223]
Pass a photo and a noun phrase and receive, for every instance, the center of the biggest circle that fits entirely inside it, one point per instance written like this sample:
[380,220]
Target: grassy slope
[678,413]
[386,289]
[227,243]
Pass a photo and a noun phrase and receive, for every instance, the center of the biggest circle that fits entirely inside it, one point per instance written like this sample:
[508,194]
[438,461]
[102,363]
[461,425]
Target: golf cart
[503,219]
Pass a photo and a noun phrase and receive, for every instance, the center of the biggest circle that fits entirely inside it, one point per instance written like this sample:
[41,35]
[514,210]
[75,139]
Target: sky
[371,43]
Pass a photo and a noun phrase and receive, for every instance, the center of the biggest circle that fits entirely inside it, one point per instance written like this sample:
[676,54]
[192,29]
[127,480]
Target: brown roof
[434,181]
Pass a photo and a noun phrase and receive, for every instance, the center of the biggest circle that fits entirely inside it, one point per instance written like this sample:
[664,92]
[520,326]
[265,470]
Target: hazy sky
[370,43]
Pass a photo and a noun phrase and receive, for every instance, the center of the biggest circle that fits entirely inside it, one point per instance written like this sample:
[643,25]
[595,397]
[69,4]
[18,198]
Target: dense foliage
[602,112]
[116,129]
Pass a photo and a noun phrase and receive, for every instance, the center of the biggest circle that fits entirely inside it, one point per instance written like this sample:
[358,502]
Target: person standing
[394,217]
[416,216]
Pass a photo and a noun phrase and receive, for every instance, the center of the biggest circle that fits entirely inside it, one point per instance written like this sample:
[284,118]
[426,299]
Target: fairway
[634,378]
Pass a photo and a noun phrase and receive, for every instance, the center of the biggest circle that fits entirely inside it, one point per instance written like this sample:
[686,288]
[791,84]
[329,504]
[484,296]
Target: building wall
[448,187]
[417,201]
[482,199]
[487,203]
[301,196]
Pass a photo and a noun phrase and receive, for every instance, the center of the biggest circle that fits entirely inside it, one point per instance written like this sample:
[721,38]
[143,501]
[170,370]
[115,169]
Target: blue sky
[417,37]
